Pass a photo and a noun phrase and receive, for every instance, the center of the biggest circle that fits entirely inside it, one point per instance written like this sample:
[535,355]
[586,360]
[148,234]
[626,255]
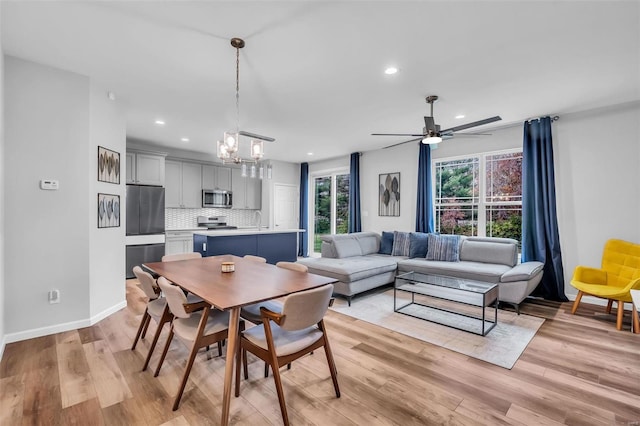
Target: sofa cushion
[351,269]
[443,248]
[401,243]
[369,242]
[494,250]
[478,271]
[418,244]
[347,247]
[386,243]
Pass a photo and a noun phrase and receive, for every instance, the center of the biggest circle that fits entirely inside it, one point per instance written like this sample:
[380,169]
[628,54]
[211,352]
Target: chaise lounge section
[354,260]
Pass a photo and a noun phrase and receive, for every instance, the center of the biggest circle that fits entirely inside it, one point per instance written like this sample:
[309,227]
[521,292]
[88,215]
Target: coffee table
[460,291]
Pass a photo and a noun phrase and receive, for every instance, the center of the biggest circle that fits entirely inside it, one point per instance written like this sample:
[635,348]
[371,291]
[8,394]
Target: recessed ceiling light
[459,116]
[160,122]
[184,139]
[391,70]
[309,153]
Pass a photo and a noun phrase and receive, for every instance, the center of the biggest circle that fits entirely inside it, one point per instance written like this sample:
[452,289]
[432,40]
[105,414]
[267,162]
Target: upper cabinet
[145,168]
[216,177]
[247,192]
[183,184]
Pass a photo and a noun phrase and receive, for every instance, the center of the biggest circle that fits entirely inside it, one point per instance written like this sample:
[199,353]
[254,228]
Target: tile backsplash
[187,218]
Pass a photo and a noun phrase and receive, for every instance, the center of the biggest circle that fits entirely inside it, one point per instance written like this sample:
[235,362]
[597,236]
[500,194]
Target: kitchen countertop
[251,231]
[200,228]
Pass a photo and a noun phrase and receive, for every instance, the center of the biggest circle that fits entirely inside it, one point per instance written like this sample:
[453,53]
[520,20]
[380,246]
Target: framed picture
[108,211]
[108,166]
[389,194]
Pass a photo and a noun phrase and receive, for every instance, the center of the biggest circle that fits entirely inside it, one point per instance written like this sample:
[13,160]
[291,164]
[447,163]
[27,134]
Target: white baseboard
[2,345]
[60,328]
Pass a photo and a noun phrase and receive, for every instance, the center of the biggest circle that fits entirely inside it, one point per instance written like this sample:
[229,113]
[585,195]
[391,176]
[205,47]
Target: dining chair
[181,256]
[287,336]
[195,331]
[255,258]
[252,312]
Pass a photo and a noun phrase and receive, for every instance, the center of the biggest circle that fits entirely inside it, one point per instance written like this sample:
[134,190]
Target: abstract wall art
[108,165]
[389,194]
[108,211]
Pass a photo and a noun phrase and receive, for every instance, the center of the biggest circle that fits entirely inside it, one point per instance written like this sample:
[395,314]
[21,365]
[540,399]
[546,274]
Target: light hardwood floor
[578,370]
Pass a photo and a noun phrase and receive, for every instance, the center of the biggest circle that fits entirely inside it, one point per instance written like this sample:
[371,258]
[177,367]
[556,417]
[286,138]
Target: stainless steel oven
[217,198]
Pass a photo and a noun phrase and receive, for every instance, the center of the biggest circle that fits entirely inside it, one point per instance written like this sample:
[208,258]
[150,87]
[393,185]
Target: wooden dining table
[250,283]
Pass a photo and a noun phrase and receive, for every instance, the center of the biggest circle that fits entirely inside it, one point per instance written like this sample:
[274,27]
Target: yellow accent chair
[619,274]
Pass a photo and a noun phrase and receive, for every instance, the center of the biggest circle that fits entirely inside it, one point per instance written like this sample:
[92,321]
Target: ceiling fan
[432,134]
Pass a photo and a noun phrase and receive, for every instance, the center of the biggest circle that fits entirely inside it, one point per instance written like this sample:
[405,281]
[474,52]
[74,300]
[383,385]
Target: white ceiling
[311,74]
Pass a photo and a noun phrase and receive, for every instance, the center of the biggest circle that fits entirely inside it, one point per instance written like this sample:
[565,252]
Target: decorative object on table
[389,194]
[228,267]
[108,211]
[108,166]
[227,148]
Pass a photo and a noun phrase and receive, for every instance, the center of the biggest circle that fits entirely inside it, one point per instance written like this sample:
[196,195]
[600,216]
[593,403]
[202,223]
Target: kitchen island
[275,245]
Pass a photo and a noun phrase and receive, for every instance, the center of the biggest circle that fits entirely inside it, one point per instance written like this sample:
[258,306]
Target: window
[330,208]
[480,195]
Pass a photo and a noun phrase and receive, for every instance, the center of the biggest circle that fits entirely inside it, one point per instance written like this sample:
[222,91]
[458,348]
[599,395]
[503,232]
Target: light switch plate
[49,184]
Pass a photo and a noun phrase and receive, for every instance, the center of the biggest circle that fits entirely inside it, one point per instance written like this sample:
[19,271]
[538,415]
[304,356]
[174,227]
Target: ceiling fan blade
[470,125]
[396,134]
[255,136]
[402,143]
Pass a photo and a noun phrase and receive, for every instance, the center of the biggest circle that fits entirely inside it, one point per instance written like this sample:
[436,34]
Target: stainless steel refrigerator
[145,226]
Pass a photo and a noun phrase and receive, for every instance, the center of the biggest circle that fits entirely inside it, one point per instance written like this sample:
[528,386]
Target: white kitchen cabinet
[177,242]
[145,168]
[216,177]
[183,184]
[247,192]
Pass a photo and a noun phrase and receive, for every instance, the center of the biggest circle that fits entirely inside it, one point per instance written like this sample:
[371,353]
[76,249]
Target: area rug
[502,346]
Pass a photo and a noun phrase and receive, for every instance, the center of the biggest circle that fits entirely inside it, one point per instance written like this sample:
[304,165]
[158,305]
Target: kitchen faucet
[257,217]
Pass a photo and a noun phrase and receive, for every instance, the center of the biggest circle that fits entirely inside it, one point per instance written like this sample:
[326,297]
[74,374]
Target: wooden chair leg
[266,369]
[576,302]
[144,323]
[332,365]
[185,377]
[609,305]
[219,348]
[635,319]
[278,382]
[238,363]
[620,314]
[164,353]
[166,317]
[146,326]
[246,365]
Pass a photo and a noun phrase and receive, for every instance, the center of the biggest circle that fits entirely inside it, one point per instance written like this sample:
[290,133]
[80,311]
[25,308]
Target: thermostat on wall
[49,184]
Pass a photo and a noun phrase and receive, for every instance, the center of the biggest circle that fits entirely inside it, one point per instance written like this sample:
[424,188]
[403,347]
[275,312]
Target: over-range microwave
[219,198]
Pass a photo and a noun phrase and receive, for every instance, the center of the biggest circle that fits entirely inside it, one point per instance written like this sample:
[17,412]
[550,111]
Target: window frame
[332,173]
[482,205]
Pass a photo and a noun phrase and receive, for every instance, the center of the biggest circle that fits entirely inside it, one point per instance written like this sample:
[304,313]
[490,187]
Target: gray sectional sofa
[354,261]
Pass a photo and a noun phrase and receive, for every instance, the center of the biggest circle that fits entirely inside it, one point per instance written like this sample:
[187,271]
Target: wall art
[389,194]
[108,211]
[108,165]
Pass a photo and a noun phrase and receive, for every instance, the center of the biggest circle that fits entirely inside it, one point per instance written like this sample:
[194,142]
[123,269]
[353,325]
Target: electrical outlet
[54,296]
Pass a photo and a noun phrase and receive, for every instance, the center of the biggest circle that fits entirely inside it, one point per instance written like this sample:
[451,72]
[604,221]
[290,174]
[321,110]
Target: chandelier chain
[237,89]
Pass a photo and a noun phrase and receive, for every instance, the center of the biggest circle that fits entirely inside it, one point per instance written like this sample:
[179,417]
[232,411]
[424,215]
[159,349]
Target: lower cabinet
[274,247]
[178,242]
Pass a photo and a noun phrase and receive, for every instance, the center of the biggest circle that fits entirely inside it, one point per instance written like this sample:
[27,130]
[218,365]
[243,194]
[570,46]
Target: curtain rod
[554,118]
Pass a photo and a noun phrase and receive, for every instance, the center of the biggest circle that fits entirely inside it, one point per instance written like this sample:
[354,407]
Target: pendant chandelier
[227,149]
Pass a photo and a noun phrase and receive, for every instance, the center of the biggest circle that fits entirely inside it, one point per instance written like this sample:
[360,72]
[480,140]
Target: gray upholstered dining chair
[252,312]
[195,330]
[287,336]
[253,258]
[181,256]
[156,309]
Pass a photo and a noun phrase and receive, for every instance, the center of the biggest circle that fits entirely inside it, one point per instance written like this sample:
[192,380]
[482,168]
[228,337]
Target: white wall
[52,234]
[2,196]
[597,158]
[107,245]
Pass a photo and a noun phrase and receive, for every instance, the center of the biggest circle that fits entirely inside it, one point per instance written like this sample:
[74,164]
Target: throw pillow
[444,247]
[386,243]
[418,243]
[401,244]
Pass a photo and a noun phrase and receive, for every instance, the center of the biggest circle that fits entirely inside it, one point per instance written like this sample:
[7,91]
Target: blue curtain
[540,237]
[355,220]
[303,237]
[424,207]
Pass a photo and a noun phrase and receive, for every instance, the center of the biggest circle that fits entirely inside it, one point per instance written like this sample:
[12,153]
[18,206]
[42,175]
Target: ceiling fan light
[432,140]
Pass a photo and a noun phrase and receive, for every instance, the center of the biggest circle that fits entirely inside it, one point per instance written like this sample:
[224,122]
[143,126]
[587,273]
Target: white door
[285,206]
